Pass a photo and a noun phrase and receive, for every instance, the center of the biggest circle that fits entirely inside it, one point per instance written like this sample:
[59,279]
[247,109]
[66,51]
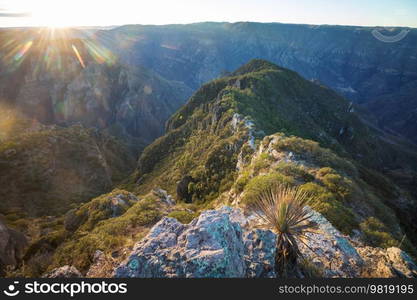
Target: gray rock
[212,246]
[402,263]
[331,251]
[221,244]
[12,246]
[164,196]
[387,263]
[260,253]
[120,202]
[64,272]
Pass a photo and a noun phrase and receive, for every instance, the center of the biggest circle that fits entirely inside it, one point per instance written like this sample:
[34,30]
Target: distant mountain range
[381,76]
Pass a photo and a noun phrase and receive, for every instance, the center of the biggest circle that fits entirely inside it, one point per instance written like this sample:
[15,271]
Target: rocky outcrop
[215,245]
[330,251]
[222,244]
[386,263]
[12,246]
[337,255]
[64,272]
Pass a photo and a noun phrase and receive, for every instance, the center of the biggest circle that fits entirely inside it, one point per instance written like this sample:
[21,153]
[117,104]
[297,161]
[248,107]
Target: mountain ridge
[212,155]
[349,59]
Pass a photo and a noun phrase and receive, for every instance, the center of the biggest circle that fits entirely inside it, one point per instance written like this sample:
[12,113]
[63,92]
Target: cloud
[5,13]
[14,15]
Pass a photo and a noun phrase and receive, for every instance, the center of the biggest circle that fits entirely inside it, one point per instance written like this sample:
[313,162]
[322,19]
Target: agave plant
[283,208]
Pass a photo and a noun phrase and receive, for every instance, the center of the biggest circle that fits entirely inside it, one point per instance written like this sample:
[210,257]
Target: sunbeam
[77,54]
[50,49]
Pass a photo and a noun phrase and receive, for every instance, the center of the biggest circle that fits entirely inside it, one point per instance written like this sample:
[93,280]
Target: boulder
[215,245]
[64,272]
[12,246]
[120,202]
[182,189]
[260,253]
[164,196]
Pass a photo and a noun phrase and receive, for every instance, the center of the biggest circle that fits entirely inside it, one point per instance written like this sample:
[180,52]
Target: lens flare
[99,53]
[58,52]
[77,54]
[23,51]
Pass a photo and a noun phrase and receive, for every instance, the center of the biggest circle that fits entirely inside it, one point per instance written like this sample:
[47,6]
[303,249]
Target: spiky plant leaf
[282,207]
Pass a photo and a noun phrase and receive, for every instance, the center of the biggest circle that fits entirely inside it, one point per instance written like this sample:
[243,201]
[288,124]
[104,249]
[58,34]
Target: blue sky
[117,12]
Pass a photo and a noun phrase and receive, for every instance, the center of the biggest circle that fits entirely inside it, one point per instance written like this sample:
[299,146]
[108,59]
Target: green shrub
[282,207]
[376,234]
[330,207]
[107,236]
[294,170]
[338,184]
[242,181]
[261,183]
[311,151]
[261,162]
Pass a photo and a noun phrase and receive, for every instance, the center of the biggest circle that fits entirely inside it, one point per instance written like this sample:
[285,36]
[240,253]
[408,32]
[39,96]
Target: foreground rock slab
[215,245]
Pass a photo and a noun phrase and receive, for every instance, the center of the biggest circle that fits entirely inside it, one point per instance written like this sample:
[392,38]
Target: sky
[58,13]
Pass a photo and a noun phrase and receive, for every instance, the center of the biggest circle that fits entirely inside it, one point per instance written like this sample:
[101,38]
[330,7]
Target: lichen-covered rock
[214,245]
[64,272]
[260,253]
[338,256]
[331,251]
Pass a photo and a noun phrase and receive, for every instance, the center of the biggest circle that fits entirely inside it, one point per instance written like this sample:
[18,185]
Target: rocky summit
[223,244]
[214,245]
